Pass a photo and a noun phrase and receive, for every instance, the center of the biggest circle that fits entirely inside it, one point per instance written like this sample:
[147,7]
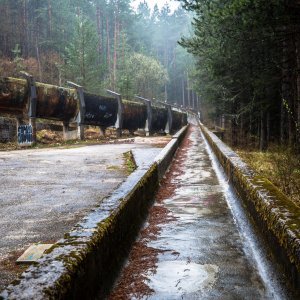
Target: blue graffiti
[25,134]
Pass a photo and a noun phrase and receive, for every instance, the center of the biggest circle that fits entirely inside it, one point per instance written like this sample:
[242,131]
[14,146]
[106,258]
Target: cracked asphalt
[44,193]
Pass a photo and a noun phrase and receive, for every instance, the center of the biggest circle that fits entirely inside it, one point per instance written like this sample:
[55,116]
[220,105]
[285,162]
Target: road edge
[92,253]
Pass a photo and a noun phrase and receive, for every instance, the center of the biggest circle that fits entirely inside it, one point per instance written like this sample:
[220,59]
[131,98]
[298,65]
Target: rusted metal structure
[100,110]
[13,96]
[26,99]
[134,115]
[56,103]
[179,119]
[159,118]
[52,102]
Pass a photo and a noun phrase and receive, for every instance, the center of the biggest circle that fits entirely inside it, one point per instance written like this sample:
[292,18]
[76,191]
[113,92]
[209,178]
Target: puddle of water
[194,176]
[189,212]
[176,278]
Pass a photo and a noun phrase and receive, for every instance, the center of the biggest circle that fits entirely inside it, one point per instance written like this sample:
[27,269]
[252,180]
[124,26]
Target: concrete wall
[8,130]
[84,264]
[276,217]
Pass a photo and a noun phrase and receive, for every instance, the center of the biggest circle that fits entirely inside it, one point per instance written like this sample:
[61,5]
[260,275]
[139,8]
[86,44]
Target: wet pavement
[44,193]
[191,246]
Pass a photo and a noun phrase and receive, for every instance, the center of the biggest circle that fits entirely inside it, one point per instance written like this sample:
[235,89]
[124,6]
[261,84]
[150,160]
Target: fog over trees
[248,66]
[99,44]
[244,56]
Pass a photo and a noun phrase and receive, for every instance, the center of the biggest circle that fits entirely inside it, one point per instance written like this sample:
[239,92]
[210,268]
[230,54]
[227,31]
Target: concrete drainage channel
[276,216]
[85,263]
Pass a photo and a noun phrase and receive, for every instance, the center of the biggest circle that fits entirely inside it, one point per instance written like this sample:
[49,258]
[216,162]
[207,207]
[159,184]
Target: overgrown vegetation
[280,165]
[247,73]
[129,162]
[247,70]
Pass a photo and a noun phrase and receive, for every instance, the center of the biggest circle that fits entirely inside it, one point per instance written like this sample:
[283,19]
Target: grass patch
[130,163]
[280,165]
[113,168]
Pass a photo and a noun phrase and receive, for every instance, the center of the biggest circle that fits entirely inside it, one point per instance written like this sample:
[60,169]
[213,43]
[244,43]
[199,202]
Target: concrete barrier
[164,158]
[85,263]
[276,216]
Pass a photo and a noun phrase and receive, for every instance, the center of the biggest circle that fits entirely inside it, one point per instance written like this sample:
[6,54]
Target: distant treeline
[98,44]
[248,66]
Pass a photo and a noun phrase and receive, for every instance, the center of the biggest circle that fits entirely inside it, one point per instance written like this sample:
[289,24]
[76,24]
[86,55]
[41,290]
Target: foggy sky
[173,4]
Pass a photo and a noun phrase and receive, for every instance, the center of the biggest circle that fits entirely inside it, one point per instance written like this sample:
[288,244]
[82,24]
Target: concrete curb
[276,216]
[164,158]
[85,263]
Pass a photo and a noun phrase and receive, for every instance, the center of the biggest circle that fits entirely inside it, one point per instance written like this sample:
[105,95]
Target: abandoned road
[44,193]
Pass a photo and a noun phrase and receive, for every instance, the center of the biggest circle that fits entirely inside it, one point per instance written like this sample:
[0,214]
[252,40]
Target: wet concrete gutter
[276,216]
[164,158]
[91,254]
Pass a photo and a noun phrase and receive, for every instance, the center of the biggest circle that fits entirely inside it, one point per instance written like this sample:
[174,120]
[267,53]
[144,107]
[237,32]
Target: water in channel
[197,242]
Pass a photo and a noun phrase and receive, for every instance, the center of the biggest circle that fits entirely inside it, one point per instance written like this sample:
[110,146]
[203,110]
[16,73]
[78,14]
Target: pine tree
[82,56]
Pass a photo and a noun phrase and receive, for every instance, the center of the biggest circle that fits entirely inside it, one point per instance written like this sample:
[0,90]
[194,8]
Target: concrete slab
[33,253]
[45,192]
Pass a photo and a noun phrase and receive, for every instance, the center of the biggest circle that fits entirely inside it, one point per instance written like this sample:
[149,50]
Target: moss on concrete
[277,217]
[129,162]
[85,263]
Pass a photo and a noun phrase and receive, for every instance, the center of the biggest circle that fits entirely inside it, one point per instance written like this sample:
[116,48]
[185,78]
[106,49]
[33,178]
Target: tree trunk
[183,93]
[99,31]
[166,66]
[298,90]
[268,128]
[193,93]
[108,47]
[287,86]
[38,59]
[25,30]
[263,132]
[49,19]
[234,132]
[115,49]
[283,118]
[188,90]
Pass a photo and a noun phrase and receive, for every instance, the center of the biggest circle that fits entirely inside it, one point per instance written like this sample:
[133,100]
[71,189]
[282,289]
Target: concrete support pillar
[32,122]
[32,103]
[80,131]
[223,121]
[66,126]
[199,115]
[168,129]
[169,125]
[147,129]
[148,126]
[81,114]
[102,131]
[119,122]
[20,121]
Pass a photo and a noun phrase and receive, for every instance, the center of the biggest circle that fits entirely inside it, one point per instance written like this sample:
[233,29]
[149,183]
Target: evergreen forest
[236,61]
[247,75]
[98,44]
[248,67]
